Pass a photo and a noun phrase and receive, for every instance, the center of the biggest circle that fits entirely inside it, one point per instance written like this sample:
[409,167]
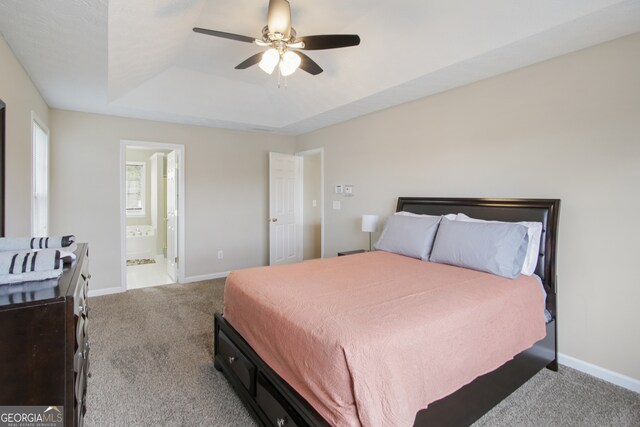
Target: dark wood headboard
[545,211]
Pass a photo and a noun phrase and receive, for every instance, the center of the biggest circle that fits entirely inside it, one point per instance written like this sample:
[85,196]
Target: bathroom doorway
[151,214]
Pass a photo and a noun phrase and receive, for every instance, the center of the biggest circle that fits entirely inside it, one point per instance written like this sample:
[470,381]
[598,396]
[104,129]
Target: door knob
[274,220]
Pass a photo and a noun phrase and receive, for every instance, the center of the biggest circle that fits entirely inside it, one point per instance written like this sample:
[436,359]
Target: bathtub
[141,241]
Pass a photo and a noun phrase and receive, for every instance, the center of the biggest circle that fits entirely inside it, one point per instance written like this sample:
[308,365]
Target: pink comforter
[370,339]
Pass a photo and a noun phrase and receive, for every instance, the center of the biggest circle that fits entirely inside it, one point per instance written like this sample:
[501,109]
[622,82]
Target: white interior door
[172,215]
[285,216]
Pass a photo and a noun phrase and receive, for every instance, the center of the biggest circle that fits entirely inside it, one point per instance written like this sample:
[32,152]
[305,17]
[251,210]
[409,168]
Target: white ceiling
[140,58]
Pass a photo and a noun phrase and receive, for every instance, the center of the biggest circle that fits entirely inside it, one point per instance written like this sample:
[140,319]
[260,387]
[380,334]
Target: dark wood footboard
[267,396]
[274,403]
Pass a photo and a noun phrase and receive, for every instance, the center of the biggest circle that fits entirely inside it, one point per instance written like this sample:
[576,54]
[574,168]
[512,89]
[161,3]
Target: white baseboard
[200,278]
[599,372]
[191,279]
[107,291]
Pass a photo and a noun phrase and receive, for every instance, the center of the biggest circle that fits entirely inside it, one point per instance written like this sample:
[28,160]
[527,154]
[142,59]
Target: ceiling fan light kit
[281,39]
[269,60]
[289,63]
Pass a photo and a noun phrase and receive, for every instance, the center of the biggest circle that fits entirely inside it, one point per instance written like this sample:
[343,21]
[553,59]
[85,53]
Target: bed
[258,380]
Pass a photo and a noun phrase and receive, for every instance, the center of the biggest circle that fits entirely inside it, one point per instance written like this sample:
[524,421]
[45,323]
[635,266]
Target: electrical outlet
[220,255]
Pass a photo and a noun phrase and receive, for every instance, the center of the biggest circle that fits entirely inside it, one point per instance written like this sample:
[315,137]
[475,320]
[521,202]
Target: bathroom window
[136,173]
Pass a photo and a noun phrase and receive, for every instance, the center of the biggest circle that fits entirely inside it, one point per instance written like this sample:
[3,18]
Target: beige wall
[312,216]
[21,97]
[567,128]
[226,190]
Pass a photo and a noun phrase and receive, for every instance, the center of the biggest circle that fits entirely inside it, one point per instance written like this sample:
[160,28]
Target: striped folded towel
[30,277]
[29,261]
[26,243]
[23,266]
[67,253]
[26,287]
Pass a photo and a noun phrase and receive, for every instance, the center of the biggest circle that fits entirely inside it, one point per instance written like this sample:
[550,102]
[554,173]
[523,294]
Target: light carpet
[151,365]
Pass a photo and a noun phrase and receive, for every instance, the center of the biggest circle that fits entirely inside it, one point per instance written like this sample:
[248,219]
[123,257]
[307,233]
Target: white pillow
[534,231]
[450,217]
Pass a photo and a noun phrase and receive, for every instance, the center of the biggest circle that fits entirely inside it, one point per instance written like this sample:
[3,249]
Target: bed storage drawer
[230,356]
[274,406]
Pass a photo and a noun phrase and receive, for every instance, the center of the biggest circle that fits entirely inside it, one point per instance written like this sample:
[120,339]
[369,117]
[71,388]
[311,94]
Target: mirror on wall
[2,126]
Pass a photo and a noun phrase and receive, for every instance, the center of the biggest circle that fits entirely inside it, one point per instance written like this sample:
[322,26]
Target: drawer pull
[281,422]
[232,359]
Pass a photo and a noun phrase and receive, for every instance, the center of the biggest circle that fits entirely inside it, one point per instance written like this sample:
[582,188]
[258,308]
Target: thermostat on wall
[339,189]
[348,190]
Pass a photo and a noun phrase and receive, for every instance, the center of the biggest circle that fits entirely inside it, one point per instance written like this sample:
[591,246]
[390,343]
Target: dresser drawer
[230,356]
[274,406]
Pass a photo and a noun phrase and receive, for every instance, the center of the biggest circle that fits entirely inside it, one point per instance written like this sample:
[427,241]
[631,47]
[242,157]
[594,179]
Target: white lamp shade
[369,223]
[289,63]
[269,60]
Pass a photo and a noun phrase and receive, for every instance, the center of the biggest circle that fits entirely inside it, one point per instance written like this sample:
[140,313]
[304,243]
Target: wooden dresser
[44,346]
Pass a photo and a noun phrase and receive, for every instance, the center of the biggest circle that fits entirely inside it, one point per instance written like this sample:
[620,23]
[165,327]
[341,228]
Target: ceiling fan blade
[279,18]
[329,41]
[309,65]
[252,60]
[224,35]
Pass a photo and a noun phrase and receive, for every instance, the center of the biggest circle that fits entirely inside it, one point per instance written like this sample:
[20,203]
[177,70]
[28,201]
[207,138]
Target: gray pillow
[408,235]
[497,248]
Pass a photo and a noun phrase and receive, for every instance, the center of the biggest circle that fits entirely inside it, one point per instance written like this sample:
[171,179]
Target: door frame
[302,154]
[181,204]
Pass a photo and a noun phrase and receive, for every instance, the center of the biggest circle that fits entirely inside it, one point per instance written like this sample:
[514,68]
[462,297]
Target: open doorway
[151,214]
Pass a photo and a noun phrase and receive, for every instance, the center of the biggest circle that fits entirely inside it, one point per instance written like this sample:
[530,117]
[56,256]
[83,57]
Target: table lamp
[369,225]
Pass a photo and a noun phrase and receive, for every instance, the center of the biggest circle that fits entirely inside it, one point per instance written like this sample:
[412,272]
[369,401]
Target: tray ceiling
[140,58]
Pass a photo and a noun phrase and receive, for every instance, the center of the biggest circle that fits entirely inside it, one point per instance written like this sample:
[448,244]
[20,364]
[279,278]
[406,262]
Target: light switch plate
[336,205]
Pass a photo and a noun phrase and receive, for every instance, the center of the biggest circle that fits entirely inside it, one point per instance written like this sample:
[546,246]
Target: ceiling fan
[283,43]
